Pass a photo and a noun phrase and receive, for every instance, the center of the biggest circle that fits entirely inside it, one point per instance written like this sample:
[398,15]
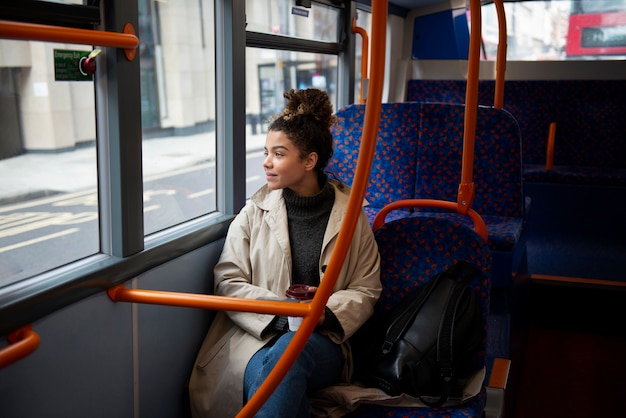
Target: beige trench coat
[257,251]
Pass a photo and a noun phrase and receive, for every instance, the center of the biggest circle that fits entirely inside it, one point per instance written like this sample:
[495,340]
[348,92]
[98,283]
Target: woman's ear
[310,161]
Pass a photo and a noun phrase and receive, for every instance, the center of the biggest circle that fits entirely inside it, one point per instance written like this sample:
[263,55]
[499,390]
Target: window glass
[280,17]
[269,73]
[558,30]
[48,177]
[599,6]
[177,56]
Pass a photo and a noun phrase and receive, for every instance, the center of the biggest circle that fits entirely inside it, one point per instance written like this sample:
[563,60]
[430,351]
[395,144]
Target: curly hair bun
[309,102]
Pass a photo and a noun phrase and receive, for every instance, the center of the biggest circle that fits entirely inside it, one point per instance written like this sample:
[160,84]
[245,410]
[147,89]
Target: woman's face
[285,169]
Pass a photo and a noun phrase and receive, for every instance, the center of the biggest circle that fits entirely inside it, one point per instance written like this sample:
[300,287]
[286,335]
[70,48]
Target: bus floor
[574,364]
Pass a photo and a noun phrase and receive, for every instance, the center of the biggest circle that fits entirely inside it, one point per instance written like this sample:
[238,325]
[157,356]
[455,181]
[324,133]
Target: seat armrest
[494,408]
[499,373]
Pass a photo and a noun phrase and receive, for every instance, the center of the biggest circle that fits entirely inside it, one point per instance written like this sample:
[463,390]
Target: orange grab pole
[364,55]
[192,300]
[23,342]
[498,101]
[479,224]
[550,148]
[35,32]
[311,312]
[364,164]
[466,187]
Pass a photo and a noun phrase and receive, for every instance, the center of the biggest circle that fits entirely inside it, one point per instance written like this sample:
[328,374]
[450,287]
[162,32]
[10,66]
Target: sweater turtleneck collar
[310,205]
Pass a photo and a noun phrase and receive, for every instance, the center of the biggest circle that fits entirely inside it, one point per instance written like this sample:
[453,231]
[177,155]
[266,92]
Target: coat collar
[272,200]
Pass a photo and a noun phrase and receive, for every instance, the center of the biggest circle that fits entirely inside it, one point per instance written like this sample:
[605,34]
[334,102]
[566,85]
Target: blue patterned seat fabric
[590,140]
[412,250]
[497,173]
[393,170]
[418,155]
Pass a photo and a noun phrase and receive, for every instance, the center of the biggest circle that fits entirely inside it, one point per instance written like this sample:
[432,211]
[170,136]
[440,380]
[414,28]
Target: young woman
[285,235]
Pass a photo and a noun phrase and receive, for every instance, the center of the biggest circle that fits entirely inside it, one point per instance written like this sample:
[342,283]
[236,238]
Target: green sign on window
[69,65]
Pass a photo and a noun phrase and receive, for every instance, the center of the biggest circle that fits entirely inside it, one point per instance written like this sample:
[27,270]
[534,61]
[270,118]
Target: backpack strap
[408,309]
[462,273]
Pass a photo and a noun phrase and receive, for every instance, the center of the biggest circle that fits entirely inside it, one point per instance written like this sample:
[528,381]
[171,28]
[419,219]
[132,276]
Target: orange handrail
[193,300]
[466,187]
[498,101]
[550,147]
[479,224]
[35,32]
[23,342]
[364,56]
[311,312]
[359,185]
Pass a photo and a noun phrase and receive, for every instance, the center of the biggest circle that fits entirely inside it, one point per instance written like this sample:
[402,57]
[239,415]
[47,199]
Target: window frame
[124,251]
[343,48]
[50,13]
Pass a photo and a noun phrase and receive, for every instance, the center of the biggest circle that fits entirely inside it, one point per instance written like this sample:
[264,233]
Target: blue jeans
[319,365]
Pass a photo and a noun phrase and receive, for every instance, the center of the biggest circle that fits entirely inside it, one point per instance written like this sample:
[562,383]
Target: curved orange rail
[364,56]
[311,312]
[466,187]
[498,101]
[23,342]
[479,224]
[361,178]
[34,32]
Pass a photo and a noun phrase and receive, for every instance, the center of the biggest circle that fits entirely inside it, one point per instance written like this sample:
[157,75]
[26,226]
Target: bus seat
[497,166]
[589,136]
[425,140]
[412,250]
[497,177]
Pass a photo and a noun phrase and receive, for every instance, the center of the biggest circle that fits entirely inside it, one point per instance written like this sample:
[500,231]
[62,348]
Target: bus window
[269,74]
[177,57]
[280,17]
[536,30]
[302,38]
[48,183]
[558,30]
[597,28]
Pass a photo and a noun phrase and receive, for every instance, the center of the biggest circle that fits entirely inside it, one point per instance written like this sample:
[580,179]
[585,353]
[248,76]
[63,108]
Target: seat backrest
[414,249]
[394,166]
[497,173]
[591,127]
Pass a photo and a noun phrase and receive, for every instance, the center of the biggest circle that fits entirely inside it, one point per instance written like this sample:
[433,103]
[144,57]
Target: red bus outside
[597,28]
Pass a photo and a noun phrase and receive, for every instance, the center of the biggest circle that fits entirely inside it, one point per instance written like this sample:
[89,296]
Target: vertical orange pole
[364,56]
[466,188]
[550,147]
[498,100]
[364,165]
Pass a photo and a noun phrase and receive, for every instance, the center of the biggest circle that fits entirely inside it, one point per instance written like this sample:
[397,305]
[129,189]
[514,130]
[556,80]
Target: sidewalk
[41,174]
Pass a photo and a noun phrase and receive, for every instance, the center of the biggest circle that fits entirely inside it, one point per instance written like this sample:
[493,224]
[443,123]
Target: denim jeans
[319,365]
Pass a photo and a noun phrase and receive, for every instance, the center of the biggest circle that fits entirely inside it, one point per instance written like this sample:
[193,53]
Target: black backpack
[428,345]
